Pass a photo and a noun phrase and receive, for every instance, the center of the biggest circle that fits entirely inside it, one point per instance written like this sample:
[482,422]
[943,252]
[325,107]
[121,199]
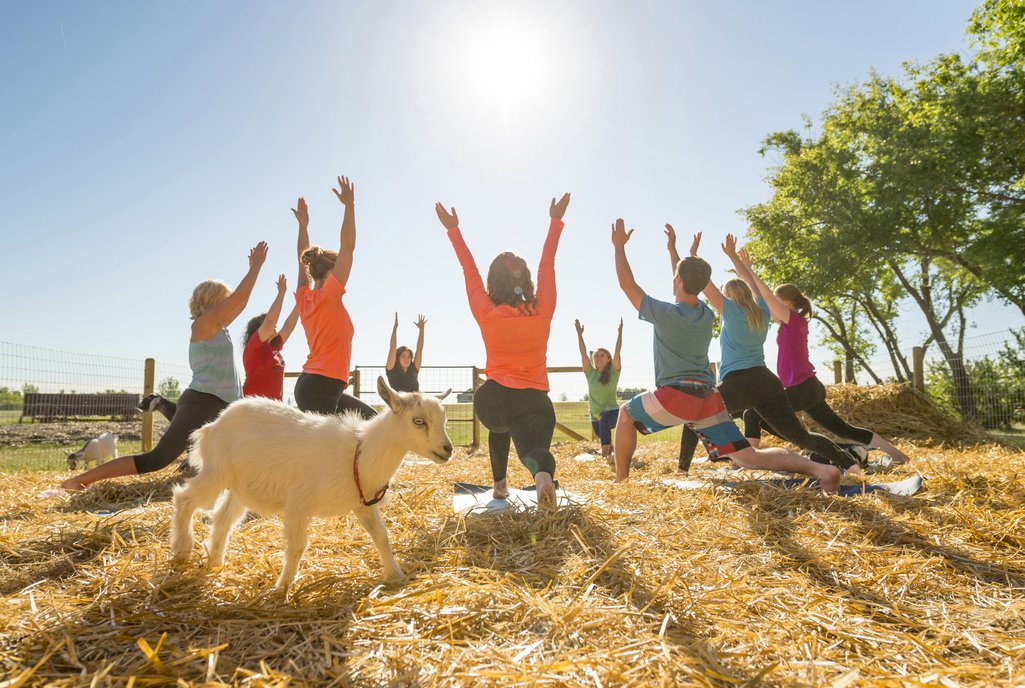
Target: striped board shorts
[695,404]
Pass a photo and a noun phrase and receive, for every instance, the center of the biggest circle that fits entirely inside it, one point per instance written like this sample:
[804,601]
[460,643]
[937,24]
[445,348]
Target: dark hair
[790,292]
[252,326]
[319,261]
[398,354]
[509,281]
[606,373]
[695,273]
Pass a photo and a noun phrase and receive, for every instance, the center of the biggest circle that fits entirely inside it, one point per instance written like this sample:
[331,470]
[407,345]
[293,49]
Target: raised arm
[393,344]
[729,247]
[270,323]
[617,362]
[545,296]
[302,216]
[779,311]
[710,291]
[585,360]
[347,240]
[421,323]
[224,313]
[480,302]
[290,322]
[674,256]
[626,276]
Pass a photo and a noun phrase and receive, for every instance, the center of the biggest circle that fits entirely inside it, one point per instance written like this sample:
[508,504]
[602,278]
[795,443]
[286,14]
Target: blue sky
[145,146]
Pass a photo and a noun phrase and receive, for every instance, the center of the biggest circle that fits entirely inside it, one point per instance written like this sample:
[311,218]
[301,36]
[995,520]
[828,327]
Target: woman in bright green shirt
[602,372]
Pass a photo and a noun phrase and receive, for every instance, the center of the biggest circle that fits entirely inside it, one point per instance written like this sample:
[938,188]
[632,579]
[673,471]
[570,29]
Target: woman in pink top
[791,309]
[515,321]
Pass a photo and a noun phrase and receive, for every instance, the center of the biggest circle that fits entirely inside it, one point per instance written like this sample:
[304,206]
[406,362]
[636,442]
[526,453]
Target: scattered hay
[753,586]
[900,411]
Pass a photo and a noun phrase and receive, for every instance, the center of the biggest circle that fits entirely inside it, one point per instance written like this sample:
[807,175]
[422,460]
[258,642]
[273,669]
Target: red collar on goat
[379,495]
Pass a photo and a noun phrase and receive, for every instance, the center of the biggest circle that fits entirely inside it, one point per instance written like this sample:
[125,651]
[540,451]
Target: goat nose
[448,449]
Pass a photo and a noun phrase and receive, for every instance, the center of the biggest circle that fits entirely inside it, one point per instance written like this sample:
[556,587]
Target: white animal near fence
[96,450]
[274,459]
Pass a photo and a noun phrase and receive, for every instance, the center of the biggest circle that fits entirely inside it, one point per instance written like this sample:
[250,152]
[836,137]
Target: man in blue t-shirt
[685,392]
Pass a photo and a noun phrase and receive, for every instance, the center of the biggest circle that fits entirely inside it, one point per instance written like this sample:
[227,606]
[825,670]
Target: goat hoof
[396,576]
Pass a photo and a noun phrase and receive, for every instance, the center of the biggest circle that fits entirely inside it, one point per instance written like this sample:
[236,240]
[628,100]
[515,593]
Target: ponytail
[790,292]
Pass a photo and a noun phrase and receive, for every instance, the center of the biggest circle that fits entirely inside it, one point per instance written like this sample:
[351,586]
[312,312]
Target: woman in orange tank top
[514,320]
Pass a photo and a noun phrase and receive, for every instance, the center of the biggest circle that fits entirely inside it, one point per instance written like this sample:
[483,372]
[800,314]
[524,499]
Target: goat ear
[389,395]
[444,394]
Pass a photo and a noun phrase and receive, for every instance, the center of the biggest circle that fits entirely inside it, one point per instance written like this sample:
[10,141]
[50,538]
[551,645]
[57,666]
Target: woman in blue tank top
[215,382]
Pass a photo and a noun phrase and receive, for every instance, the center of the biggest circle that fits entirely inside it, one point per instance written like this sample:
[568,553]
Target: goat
[155,402]
[275,459]
[98,450]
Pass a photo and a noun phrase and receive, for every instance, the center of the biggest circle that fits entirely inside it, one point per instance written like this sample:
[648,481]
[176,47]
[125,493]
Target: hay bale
[899,411]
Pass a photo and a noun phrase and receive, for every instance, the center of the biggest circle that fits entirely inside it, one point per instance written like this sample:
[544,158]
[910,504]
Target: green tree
[169,388]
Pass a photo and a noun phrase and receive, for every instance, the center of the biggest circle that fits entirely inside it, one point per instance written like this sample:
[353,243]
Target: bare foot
[72,485]
[545,489]
[501,491]
[829,479]
[855,472]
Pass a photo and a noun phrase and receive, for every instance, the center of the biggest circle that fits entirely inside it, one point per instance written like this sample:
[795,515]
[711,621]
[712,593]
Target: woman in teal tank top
[215,382]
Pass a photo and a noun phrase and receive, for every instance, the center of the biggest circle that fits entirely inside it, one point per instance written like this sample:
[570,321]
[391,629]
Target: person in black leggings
[527,417]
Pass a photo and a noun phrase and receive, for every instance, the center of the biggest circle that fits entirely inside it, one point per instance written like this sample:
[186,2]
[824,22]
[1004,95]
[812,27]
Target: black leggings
[526,416]
[194,410]
[810,397]
[757,388]
[319,394]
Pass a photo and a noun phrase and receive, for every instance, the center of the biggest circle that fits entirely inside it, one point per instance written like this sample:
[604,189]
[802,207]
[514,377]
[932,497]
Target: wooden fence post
[837,372]
[354,379]
[149,372]
[918,358]
[714,367]
[476,420]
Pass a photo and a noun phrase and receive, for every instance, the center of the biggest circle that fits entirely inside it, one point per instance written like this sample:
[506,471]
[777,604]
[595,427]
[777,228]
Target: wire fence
[52,401]
[985,384]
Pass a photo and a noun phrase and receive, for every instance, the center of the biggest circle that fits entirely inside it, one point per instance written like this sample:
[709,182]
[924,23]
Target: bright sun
[505,63]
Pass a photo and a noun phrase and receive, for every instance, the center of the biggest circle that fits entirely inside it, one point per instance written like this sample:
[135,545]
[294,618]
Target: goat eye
[420,421]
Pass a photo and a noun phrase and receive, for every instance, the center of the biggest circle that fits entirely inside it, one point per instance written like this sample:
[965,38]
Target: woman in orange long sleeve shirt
[514,321]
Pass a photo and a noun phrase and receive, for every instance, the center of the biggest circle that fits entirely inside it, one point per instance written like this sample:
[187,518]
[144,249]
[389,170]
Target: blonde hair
[206,295]
[739,293]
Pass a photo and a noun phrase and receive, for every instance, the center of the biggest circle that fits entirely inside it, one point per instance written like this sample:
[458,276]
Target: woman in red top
[514,321]
[321,386]
[261,357]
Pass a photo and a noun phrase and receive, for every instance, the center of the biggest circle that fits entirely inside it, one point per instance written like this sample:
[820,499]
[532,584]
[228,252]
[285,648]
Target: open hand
[620,326]
[670,236]
[695,244]
[580,328]
[421,321]
[450,220]
[744,256]
[282,284]
[346,192]
[619,234]
[301,212]
[396,325]
[558,210]
[257,255]
[729,247]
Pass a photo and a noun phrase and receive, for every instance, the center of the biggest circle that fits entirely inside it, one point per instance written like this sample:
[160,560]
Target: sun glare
[506,64]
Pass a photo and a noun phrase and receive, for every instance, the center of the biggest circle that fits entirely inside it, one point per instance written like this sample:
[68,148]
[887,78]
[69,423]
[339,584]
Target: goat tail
[195,458]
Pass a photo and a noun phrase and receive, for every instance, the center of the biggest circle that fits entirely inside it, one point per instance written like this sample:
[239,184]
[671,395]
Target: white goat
[97,450]
[275,459]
